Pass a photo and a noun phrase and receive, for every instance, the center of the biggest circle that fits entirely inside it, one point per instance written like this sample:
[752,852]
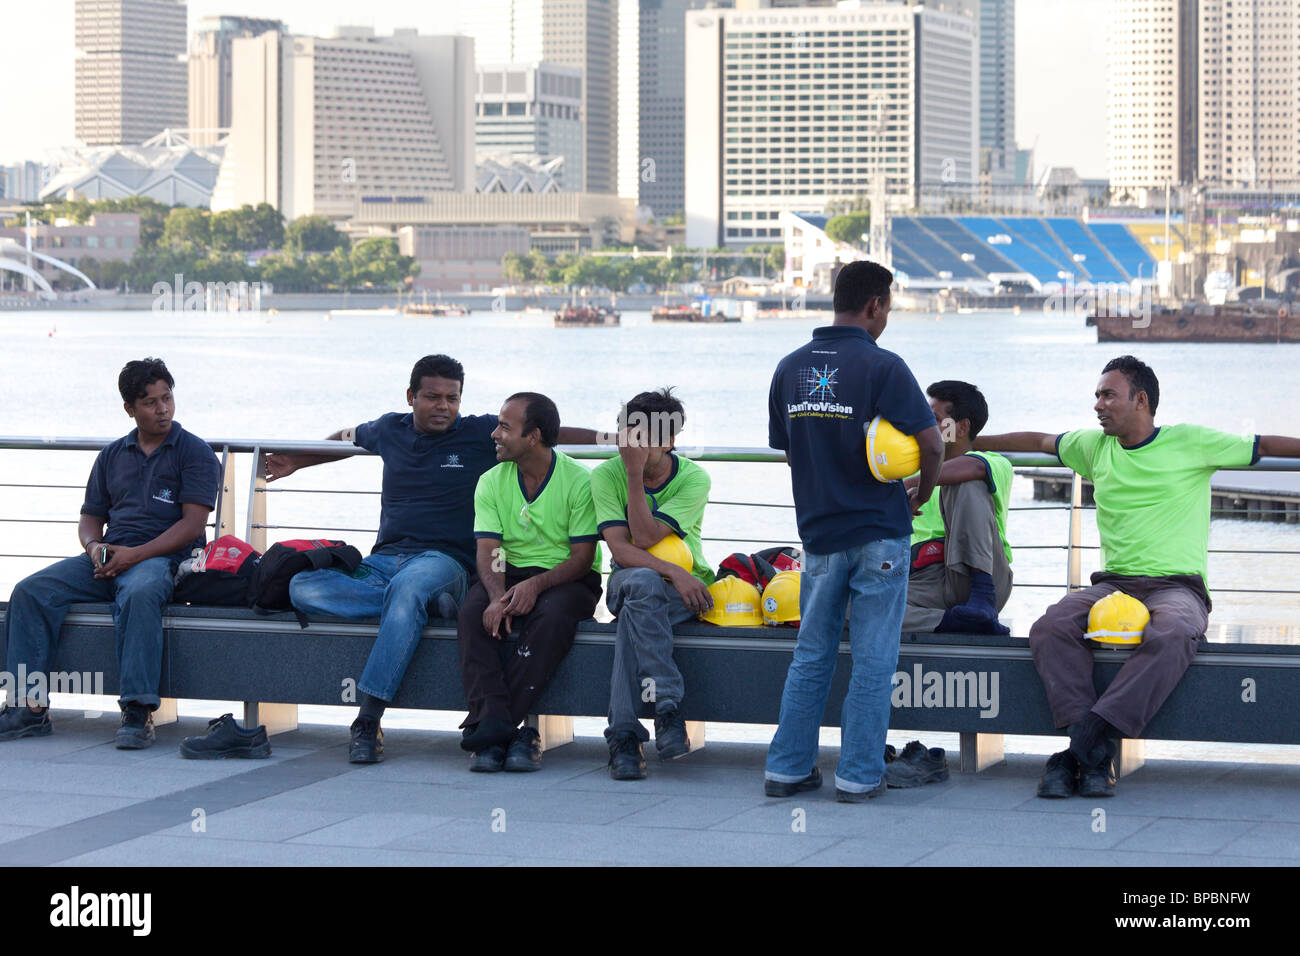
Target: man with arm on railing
[423,555]
[855,532]
[643,496]
[154,489]
[1152,489]
[539,575]
[961,563]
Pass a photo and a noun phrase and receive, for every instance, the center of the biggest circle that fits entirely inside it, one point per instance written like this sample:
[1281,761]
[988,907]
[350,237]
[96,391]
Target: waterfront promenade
[72,799]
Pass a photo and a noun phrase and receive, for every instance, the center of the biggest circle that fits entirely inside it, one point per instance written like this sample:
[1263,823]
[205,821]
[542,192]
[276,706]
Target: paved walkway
[71,798]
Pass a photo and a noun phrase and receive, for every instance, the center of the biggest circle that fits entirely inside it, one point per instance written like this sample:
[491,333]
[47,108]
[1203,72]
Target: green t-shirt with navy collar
[678,503]
[537,532]
[1153,499]
[998,473]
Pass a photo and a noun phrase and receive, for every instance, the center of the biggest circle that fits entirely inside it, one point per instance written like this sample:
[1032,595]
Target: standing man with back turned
[855,532]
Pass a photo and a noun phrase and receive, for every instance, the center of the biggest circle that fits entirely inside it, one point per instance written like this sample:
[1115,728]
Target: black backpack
[268,591]
[220,576]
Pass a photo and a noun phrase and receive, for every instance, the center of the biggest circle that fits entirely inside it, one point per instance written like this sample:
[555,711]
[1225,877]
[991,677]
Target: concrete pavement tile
[982,855]
[156,850]
[371,829]
[37,810]
[1276,841]
[872,852]
[1186,836]
[254,822]
[690,813]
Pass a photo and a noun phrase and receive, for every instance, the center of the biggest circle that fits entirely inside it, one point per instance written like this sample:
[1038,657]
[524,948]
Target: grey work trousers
[971,543]
[647,607]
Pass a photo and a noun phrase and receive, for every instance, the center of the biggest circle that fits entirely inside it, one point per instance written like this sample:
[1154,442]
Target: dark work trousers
[1180,611]
[506,687]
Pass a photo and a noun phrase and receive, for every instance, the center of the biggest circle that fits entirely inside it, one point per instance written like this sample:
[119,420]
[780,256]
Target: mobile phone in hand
[103,555]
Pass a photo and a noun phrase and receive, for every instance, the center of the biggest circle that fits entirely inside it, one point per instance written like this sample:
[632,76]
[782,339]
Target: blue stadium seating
[1131,255]
[1076,238]
[1041,238]
[927,248]
[906,261]
[952,232]
[1025,257]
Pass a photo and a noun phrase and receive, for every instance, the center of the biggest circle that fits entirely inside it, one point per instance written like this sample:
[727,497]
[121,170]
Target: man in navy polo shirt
[424,553]
[855,532]
[154,488]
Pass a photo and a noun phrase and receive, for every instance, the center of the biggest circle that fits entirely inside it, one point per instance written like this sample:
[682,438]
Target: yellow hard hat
[1117,619]
[781,599]
[673,549]
[890,453]
[735,604]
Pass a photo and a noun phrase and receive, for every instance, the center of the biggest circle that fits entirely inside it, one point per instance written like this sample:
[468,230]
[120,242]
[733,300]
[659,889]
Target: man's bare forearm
[1017,441]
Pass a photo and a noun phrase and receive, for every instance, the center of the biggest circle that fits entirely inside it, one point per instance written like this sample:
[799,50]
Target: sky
[1060,67]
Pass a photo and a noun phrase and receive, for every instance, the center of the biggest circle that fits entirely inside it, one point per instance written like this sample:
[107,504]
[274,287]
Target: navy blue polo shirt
[822,397]
[427,501]
[142,496]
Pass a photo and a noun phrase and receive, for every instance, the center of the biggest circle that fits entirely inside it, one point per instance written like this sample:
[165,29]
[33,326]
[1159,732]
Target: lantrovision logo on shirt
[165,495]
[817,386]
[453,461]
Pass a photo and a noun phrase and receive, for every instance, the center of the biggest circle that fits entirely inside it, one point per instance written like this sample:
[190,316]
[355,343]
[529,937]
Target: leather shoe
[779,788]
[1060,777]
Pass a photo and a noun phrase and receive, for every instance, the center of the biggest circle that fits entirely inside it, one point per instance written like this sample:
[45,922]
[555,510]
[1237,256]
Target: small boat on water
[434,309]
[578,316]
[687,313]
[1233,322]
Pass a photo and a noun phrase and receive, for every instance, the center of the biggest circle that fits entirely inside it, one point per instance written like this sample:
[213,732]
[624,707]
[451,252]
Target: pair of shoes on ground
[916,766]
[225,738]
[522,755]
[627,759]
[21,721]
[781,788]
[1065,776]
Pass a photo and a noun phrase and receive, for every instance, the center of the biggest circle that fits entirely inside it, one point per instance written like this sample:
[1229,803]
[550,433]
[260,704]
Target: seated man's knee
[146,581]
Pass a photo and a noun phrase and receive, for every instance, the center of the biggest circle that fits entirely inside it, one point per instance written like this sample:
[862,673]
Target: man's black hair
[137,375]
[857,283]
[437,366]
[966,400]
[658,406]
[1140,378]
[540,413]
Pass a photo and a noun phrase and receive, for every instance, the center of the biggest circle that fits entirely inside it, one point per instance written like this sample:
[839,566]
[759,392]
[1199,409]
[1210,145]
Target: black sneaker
[890,753]
[488,732]
[18,722]
[489,760]
[1060,776]
[916,766]
[861,796]
[225,738]
[670,735]
[136,731]
[626,759]
[779,788]
[1099,780]
[525,752]
[367,744]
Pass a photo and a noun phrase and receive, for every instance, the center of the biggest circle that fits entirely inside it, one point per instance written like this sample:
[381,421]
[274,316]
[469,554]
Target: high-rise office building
[998,89]
[325,123]
[130,71]
[531,109]
[210,71]
[792,110]
[574,33]
[1248,111]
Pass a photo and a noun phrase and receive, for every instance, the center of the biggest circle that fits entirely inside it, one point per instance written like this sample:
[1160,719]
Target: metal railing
[256,490]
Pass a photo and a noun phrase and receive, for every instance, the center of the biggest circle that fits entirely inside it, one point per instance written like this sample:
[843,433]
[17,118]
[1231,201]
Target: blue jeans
[396,588]
[39,604]
[874,578]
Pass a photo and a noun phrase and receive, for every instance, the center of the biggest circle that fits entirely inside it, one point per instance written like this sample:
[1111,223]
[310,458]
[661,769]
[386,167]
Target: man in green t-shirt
[961,562]
[1152,488]
[645,495]
[538,561]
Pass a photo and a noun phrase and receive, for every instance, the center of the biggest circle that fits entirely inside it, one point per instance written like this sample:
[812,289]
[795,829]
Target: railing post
[226,497]
[278,718]
[1074,573]
[256,535]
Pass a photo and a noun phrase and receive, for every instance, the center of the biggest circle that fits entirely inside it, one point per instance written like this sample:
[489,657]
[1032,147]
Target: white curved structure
[9,248]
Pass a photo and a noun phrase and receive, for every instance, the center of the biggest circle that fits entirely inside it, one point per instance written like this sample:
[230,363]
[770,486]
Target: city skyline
[1060,115]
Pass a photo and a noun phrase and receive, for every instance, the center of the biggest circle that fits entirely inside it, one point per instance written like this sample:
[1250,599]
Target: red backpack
[220,575]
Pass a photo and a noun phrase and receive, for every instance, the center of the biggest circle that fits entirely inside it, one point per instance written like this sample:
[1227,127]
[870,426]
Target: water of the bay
[302,375]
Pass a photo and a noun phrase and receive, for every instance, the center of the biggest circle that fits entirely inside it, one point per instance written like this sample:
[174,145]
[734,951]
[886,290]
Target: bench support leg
[166,712]
[279,718]
[980,751]
[554,730]
[1132,755]
[695,732]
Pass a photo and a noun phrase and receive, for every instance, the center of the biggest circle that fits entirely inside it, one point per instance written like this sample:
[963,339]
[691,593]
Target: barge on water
[688,313]
[586,316]
[1237,322]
